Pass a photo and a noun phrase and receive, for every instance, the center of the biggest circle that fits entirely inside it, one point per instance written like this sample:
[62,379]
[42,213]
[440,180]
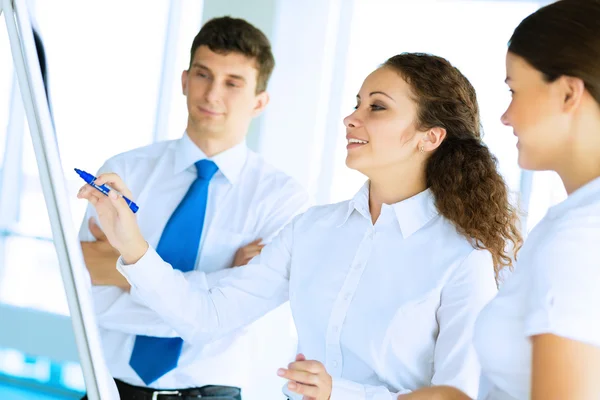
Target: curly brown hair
[462,173]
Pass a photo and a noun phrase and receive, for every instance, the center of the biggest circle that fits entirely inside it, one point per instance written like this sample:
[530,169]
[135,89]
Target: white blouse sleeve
[200,315]
[564,296]
[470,288]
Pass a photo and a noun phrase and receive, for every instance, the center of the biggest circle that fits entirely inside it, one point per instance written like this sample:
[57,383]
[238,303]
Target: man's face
[221,94]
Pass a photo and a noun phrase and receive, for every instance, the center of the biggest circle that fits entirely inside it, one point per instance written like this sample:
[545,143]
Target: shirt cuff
[343,389]
[146,273]
[570,326]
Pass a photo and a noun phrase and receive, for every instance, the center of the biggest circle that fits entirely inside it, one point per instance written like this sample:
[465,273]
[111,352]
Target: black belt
[212,392]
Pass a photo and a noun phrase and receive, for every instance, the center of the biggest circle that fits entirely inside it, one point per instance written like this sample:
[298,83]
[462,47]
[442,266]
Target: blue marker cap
[89,179]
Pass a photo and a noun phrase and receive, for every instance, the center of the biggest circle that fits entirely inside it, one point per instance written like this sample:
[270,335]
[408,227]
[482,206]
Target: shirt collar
[360,203]
[415,212]
[412,214]
[230,162]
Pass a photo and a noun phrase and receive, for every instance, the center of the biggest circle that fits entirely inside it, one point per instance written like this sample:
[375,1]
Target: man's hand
[247,253]
[118,221]
[308,378]
[101,259]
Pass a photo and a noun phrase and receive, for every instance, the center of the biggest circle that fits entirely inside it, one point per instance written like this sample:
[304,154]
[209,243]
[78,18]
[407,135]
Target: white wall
[260,13]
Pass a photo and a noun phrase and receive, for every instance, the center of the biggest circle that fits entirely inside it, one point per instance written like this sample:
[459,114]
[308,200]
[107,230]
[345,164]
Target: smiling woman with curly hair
[384,288]
[462,174]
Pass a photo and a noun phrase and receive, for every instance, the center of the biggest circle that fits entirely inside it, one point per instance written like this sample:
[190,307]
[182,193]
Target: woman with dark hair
[540,337]
[384,288]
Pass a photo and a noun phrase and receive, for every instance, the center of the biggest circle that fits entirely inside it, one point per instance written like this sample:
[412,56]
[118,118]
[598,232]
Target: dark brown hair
[563,39]
[461,173]
[234,35]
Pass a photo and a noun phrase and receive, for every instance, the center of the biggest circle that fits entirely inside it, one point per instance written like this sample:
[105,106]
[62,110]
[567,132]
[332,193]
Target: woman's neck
[394,187]
[581,163]
[580,173]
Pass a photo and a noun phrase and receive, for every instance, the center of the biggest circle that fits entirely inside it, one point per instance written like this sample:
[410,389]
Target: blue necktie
[152,357]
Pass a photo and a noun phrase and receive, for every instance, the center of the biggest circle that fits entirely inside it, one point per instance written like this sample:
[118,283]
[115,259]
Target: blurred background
[113,76]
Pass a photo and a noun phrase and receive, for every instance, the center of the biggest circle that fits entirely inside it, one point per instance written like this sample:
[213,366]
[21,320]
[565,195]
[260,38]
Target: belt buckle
[164,392]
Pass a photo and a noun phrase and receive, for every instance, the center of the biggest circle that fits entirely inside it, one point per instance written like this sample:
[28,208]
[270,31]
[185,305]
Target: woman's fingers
[299,376]
[310,392]
[115,182]
[87,192]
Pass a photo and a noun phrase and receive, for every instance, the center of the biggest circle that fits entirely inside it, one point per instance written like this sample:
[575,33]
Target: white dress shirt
[387,308]
[248,199]
[554,290]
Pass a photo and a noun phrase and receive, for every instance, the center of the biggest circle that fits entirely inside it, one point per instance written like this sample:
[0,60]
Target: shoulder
[150,153]
[462,263]
[563,273]
[569,245]
[323,216]
[462,248]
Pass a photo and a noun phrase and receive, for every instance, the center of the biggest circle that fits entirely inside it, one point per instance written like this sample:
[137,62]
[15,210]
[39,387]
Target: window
[547,190]
[472,35]
[104,70]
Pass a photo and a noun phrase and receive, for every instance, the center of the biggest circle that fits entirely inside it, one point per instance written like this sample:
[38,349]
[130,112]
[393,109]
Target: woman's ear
[432,139]
[573,91]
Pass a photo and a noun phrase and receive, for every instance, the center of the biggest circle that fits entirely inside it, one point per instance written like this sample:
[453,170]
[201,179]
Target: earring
[422,149]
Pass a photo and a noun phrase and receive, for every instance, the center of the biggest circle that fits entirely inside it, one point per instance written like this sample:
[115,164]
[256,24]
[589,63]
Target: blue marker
[89,178]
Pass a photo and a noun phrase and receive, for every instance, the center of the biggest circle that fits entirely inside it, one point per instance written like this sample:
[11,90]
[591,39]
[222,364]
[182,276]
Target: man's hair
[234,35]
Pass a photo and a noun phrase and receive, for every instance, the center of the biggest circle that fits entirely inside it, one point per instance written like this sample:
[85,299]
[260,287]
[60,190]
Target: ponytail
[470,192]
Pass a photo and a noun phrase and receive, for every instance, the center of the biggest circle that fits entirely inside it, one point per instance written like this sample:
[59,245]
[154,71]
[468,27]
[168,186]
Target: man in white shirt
[209,203]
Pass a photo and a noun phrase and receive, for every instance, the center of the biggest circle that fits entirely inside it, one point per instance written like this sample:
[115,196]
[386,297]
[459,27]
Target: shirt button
[347,296]
[335,364]
[336,329]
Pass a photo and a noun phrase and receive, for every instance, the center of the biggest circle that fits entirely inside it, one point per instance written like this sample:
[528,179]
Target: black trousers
[212,392]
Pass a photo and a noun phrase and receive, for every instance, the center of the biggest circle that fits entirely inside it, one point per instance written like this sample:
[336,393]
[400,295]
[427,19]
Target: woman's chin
[352,162]
[526,162]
